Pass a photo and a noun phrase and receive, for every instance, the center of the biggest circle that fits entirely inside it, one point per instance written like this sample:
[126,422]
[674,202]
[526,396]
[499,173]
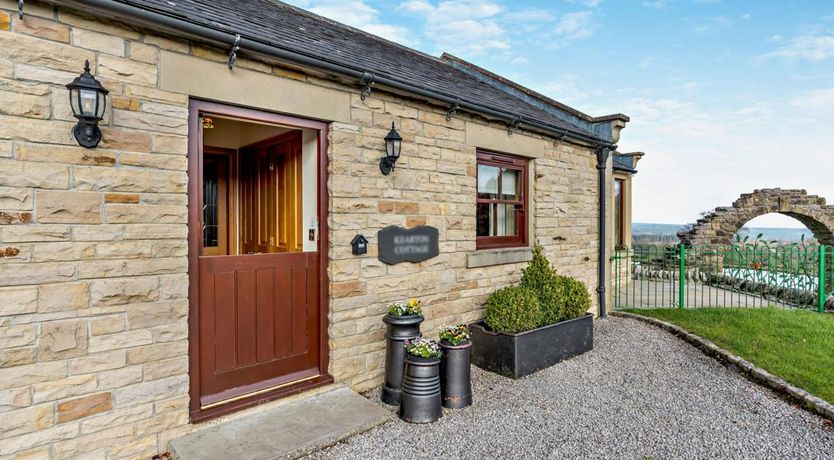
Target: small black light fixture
[88,100]
[393,145]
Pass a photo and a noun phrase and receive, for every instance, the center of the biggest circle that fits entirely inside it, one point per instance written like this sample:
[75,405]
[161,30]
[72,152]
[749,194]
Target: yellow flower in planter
[411,307]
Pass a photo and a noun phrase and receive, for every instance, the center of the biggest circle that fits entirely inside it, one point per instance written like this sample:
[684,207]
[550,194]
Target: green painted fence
[731,275]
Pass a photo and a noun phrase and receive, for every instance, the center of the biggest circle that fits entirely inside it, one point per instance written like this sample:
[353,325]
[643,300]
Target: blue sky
[725,95]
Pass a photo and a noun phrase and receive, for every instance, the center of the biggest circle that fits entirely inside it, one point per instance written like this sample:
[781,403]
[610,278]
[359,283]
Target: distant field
[769,234]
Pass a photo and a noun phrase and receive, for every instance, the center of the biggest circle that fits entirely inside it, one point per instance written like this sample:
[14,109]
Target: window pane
[487,182]
[484,219]
[497,219]
[510,184]
[507,220]
[209,204]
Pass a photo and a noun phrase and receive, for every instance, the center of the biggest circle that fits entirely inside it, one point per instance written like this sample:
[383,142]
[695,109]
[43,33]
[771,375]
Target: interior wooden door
[271,195]
[259,307]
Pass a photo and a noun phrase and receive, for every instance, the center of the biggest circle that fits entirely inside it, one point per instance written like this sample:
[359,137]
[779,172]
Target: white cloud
[519,60]
[575,26]
[587,3]
[466,27]
[707,26]
[700,155]
[359,14]
[814,47]
[656,4]
[816,103]
[528,15]
[569,89]
[417,6]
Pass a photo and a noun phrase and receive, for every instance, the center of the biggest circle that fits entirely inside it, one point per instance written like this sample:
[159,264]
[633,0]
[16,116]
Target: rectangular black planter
[517,355]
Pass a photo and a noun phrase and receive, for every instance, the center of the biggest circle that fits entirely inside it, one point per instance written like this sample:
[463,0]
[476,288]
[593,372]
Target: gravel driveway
[640,393]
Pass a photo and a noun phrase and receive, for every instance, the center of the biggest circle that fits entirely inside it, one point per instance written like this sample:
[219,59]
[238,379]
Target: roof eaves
[161,19]
[606,126]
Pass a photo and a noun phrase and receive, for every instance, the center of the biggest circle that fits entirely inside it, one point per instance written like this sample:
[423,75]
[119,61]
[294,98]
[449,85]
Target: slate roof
[293,29]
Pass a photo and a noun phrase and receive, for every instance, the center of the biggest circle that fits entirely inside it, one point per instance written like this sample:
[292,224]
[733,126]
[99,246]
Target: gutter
[181,27]
[603,151]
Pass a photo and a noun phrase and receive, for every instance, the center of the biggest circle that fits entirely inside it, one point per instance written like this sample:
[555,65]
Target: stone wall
[93,266]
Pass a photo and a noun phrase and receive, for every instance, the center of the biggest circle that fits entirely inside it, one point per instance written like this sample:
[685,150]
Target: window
[619,213]
[502,201]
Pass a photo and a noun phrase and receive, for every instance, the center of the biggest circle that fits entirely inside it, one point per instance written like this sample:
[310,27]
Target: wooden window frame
[503,160]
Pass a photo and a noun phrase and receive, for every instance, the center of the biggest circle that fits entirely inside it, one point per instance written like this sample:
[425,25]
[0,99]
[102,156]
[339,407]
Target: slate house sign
[397,244]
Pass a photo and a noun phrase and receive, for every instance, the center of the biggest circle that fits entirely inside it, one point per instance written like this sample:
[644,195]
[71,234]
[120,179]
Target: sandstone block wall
[93,253]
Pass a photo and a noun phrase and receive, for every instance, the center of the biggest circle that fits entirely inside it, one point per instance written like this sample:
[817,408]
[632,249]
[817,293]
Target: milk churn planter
[403,323]
[455,375]
[421,398]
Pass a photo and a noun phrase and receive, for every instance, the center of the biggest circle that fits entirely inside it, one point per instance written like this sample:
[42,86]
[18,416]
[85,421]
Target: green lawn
[797,346]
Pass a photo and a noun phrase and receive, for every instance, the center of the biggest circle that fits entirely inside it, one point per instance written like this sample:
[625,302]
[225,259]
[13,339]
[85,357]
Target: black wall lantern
[88,100]
[393,145]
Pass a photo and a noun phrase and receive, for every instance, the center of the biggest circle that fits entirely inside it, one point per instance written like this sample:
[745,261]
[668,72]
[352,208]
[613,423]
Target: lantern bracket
[20,8]
[453,110]
[366,83]
[513,125]
[233,52]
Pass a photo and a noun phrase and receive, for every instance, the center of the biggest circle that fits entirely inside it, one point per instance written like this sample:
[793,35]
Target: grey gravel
[640,393]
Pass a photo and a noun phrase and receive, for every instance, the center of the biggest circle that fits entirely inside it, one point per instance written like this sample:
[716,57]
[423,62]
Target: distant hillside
[645,231]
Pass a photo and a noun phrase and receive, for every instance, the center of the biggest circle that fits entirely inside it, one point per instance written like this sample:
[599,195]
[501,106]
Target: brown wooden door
[258,322]
[259,296]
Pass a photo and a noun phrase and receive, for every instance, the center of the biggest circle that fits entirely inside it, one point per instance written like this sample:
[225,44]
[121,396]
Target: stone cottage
[197,259]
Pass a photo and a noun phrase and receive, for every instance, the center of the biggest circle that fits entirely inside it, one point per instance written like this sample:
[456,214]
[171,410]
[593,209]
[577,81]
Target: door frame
[195,107]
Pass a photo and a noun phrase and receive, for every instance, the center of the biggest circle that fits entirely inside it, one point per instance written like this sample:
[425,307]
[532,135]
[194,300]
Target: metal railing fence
[730,275]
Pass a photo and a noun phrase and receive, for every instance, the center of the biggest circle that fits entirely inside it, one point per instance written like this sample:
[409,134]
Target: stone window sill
[490,257]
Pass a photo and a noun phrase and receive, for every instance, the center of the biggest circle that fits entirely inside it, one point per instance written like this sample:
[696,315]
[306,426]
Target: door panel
[262,312]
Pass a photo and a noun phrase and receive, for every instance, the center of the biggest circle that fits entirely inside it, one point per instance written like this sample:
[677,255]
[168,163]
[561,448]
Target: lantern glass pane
[89,100]
[101,104]
[397,145]
[74,102]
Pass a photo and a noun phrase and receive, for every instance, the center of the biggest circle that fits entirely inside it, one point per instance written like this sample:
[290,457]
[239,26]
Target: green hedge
[543,297]
[541,278]
[513,309]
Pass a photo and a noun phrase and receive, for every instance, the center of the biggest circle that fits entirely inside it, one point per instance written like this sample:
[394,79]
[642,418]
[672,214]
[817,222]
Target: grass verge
[795,345]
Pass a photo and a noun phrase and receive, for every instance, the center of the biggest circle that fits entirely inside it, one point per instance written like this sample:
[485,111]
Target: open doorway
[259,187]
[257,258]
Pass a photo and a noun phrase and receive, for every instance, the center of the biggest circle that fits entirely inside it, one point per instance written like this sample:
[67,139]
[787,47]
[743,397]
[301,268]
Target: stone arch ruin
[721,225]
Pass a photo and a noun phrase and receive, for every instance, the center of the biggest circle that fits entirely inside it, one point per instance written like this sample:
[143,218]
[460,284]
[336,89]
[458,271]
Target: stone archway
[721,225]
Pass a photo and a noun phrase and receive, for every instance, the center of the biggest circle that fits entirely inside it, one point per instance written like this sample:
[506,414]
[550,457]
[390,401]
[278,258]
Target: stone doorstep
[286,429]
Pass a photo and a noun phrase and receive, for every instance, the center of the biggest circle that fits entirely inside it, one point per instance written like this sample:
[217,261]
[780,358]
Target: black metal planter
[400,329]
[517,355]
[455,375]
[421,399]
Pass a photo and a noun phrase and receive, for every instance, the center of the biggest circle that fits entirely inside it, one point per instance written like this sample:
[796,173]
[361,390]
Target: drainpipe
[184,28]
[603,151]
